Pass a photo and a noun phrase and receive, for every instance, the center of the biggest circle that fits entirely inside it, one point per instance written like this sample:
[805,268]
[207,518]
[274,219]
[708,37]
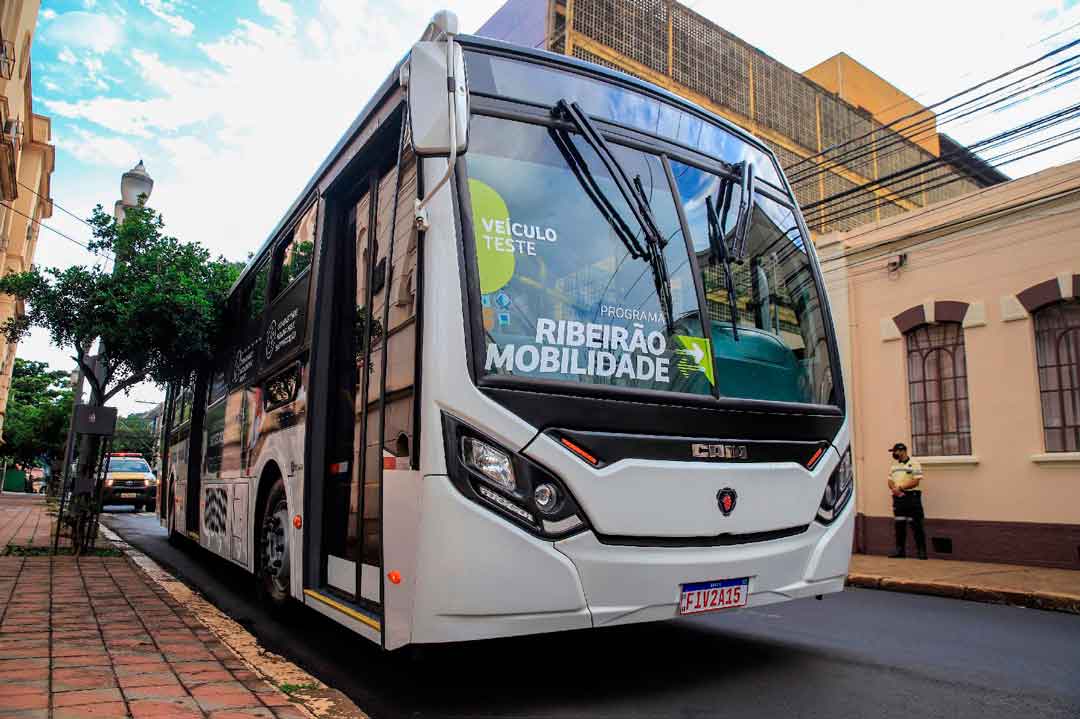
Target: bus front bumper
[626,584]
[478,576]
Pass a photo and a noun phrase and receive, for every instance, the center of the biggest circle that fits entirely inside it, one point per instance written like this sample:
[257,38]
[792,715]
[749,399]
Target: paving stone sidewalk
[95,637]
[1034,587]
[24,521]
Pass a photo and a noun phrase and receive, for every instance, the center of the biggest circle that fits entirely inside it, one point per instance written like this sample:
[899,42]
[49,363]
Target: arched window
[937,390]
[1057,349]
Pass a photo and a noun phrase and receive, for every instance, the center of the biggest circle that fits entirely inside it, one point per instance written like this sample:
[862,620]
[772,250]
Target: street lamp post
[135,188]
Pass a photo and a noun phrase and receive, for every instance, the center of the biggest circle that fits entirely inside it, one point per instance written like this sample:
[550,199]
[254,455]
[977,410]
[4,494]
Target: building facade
[894,159]
[26,163]
[960,335]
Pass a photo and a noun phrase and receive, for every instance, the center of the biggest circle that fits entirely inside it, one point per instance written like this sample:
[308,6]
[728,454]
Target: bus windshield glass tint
[565,294]
[779,350]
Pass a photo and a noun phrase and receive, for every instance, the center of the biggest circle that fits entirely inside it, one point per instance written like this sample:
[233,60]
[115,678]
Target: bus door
[378,428]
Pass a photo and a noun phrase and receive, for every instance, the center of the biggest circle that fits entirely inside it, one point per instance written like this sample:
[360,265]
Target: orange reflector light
[297,522]
[389,462]
[394,576]
[579,451]
[817,455]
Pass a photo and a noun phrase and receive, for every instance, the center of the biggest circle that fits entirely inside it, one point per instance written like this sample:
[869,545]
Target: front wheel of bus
[273,565]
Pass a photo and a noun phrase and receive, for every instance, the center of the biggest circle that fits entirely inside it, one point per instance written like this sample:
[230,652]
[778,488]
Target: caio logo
[718,451]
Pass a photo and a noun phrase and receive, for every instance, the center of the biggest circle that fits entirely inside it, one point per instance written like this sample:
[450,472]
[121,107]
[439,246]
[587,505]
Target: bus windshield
[569,291]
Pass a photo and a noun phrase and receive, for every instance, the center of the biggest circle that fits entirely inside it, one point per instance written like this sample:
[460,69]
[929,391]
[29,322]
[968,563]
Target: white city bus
[584,374]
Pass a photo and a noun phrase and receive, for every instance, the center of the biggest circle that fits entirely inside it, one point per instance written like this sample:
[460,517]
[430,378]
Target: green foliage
[133,435]
[158,313]
[39,405]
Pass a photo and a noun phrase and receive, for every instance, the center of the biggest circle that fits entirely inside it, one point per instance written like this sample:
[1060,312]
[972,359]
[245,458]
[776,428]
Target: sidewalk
[91,637]
[23,521]
[95,636]
[1034,587]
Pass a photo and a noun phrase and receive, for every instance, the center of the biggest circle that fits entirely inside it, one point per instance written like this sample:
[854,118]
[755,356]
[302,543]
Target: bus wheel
[273,557]
[175,538]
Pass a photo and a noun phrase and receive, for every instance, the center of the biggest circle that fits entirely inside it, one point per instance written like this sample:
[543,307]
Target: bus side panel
[214,525]
[275,441]
[224,525]
[401,505]
[178,470]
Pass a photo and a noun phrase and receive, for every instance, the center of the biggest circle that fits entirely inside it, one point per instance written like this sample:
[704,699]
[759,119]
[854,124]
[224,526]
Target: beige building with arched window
[26,162]
[960,336]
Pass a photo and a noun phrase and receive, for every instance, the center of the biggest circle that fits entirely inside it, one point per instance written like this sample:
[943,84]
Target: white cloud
[281,12]
[316,34]
[108,151]
[67,56]
[48,14]
[236,141]
[83,30]
[166,11]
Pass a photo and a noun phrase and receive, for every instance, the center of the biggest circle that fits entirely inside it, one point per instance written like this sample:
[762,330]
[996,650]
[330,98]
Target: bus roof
[474,41]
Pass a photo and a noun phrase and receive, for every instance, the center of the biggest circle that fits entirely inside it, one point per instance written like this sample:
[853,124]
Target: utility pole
[135,188]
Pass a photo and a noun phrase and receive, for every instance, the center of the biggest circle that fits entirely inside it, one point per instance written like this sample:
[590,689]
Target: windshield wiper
[632,192]
[746,208]
[719,248]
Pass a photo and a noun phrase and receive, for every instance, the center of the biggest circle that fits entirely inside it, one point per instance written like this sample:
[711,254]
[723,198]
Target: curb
[310,695]
[1049,601]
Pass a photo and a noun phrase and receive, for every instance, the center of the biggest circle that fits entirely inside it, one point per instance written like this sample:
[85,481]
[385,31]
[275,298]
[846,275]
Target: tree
[38,409]
[133,435]
[158,313]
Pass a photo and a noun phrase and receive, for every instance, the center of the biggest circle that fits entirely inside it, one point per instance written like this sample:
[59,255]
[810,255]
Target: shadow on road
[862,653]
[620,668]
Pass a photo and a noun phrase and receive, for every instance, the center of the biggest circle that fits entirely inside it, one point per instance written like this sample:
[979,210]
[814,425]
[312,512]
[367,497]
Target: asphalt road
[863,653]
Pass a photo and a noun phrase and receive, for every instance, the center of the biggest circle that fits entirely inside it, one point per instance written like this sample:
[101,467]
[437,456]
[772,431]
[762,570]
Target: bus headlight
[508,483]
[838,490]
[489,462]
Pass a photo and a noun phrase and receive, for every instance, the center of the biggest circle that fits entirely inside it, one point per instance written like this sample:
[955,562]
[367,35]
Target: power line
[952,97]
[1029,150]
[931,123]
[1018,201]
[69,238]
[55,204]
[1040,124]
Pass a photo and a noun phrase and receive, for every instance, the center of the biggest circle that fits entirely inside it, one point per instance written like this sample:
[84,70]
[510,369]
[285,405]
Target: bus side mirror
[438,95]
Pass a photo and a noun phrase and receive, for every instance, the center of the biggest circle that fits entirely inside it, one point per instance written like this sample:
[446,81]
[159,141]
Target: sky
[232,105]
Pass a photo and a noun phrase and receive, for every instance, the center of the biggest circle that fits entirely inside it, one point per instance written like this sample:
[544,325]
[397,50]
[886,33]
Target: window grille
[937,390]
[7,58]
[1057,350]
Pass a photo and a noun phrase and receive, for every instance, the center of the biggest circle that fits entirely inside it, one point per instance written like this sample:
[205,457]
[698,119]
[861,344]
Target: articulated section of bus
[639,412]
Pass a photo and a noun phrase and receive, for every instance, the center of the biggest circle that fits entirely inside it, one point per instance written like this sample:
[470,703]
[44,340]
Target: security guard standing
[904,478]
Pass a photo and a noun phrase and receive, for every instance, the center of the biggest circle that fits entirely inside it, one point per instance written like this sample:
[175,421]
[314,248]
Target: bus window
[294,256]
[256,302]
[217,386]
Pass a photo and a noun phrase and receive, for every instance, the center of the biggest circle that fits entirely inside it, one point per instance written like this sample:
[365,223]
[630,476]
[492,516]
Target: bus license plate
[128,495]
[710,596]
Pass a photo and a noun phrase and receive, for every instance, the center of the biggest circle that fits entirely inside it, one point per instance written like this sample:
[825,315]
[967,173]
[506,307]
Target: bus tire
[175,538]
[272,565]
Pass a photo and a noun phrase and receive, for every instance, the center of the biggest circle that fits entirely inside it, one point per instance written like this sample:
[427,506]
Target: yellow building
[959,331]
[26,162]
[885,169]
